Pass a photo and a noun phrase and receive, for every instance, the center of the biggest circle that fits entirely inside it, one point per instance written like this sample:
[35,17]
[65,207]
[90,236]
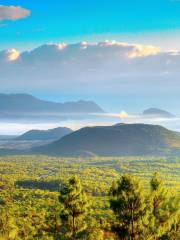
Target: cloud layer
[105,67]
[16,128]
[13,13]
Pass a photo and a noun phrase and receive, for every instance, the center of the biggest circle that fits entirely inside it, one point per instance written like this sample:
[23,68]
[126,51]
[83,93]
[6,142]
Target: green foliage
[75,207]
[30,186]
[8,227]
[164,216]
[139,215]
[129,205]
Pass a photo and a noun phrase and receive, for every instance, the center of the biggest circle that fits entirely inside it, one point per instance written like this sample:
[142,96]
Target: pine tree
[75,207]
[164,217]
[129,206]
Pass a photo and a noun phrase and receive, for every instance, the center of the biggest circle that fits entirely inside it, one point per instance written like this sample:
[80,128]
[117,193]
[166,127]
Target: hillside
[51,134]
[116,140]
[27,105]
[157,112]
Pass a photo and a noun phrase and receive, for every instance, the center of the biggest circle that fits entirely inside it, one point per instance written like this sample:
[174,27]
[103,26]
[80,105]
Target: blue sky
[74,20]
[155,22]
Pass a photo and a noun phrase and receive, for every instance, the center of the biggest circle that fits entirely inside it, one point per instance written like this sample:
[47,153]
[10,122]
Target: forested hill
[116,140]
[51,134]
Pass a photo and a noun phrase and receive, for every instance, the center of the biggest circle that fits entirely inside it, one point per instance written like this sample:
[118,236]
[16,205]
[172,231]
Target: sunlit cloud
[93,69]
[62,46]
[9,55]
[78,64]
[12,55]
[143,51]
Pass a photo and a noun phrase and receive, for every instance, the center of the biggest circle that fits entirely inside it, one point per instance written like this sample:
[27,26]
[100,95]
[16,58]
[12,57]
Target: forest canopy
[89,198]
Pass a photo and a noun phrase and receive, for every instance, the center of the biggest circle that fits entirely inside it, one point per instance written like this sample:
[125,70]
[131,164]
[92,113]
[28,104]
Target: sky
[74,20]
[137,68]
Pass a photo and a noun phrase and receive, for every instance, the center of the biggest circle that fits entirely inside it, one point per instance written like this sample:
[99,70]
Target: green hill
[116,140]
[51,134]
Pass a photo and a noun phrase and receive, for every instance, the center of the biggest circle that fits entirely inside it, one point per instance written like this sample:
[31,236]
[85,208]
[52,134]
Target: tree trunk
[74,230]
[132,223]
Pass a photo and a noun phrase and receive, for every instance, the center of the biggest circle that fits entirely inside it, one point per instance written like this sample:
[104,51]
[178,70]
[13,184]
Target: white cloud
[12,55]
[104,67]
[9,55]
[13,13]
[106,119]
[138,50]
[143,51]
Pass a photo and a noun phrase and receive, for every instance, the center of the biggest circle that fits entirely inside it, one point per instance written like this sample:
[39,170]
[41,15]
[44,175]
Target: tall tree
[129,206]
[75,207]
[165,215]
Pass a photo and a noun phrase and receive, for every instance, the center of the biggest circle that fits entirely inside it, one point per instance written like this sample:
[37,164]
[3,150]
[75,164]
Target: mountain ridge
[50,134]
[116,140]
[24,104]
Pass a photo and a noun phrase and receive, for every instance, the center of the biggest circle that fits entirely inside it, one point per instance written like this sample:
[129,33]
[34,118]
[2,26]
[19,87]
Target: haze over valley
[35,123]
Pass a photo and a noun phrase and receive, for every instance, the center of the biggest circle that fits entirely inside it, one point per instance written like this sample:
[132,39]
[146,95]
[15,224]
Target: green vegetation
[116,140]
[129,205]
[144,215]
[75,209]
[94,198]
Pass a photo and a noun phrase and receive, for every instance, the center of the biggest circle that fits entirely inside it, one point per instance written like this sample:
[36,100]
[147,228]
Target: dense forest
[98,198]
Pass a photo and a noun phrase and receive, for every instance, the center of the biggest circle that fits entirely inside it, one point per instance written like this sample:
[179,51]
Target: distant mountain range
[7,137]
[21,105]
[156,112]
[116,140]
[45,135]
